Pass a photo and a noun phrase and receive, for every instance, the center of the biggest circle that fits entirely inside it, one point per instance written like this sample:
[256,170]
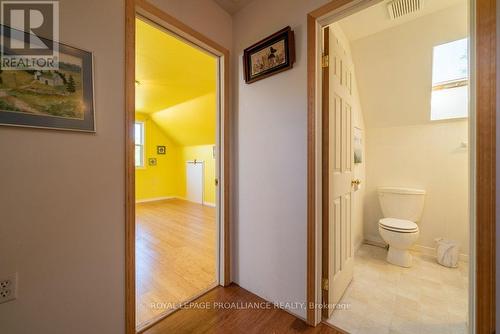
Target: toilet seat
[398,225]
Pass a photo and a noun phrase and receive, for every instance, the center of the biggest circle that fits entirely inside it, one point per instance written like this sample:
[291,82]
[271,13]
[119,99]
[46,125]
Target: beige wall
[427,157]
[271,159]
[62,194]
[404,148]
[62,199]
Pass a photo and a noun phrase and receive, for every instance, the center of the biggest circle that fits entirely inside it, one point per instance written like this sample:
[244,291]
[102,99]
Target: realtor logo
[30,32]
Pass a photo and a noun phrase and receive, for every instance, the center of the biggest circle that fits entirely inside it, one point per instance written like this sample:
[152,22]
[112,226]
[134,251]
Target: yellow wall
[202,153]
[168,177]
[176,95]
[160,180]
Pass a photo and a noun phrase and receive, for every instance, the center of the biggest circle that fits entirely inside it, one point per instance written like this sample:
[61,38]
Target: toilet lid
[398,224]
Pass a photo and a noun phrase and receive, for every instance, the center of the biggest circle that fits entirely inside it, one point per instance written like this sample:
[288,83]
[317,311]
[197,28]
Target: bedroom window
[139,144]
[450,75]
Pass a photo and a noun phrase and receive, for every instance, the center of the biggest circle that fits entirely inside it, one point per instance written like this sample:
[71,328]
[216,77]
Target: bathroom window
[139,144]
[450,75]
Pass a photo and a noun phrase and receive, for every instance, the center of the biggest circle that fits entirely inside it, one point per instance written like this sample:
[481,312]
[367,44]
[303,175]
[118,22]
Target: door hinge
[216,181]
[325,61]
[324,284]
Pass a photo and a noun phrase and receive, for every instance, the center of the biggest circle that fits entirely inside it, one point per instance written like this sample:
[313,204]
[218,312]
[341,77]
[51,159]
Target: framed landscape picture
[272,55]
[60,99]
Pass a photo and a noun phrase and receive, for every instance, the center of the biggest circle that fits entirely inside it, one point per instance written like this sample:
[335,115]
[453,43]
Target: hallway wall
[62,194]
[271,159]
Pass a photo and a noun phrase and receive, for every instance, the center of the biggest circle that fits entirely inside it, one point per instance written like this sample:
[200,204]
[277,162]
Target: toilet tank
[401,203]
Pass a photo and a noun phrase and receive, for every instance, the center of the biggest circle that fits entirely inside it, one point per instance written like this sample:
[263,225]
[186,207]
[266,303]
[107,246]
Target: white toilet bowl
[400,235]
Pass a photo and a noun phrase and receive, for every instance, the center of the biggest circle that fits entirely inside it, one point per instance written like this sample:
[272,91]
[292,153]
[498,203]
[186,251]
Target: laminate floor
[233,310]
[175,255]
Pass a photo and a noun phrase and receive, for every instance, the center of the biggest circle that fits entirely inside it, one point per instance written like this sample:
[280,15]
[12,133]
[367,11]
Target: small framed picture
[161,149]
[152,161]
[271,55]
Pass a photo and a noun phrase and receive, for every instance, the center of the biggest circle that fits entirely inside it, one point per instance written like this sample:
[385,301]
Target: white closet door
[194,181]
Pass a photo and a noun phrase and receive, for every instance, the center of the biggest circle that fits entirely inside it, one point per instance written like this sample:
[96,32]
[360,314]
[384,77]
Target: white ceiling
[376,18]
[232,6]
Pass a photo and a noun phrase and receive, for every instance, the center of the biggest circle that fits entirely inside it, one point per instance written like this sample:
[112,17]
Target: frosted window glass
[449,97]
[449,103]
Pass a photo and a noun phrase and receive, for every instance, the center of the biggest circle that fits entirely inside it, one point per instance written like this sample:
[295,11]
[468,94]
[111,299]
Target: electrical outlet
[8,288]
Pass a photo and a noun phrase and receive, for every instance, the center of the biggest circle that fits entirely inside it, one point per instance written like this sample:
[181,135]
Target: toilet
[402,209]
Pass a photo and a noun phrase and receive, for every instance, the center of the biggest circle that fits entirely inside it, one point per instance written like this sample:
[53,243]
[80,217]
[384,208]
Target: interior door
[194,181]
[339,163]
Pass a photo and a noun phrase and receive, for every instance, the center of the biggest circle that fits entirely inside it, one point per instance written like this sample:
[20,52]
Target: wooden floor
[219,319]
[175,255]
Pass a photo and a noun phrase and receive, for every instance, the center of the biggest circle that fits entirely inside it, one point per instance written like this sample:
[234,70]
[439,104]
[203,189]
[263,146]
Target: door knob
[356,182]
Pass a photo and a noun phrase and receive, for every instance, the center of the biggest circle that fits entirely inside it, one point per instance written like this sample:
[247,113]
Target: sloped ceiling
[189,123]
[176,85]
[376,18]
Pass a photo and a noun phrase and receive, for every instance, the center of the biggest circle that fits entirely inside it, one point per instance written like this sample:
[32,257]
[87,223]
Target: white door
[340,171]
[194,181]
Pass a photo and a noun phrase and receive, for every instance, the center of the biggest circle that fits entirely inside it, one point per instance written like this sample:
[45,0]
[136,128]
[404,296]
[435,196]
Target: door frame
[134,8]
[482,129]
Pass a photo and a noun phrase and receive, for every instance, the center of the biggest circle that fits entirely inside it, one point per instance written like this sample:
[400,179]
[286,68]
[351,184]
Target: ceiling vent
[398,8]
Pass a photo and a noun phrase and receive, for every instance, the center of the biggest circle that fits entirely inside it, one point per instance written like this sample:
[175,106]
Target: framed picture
[272,55]
[358,145]
[61,99]
[161,150]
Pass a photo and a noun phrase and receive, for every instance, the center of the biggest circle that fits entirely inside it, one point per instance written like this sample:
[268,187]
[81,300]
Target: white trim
[154,199]
[213,205]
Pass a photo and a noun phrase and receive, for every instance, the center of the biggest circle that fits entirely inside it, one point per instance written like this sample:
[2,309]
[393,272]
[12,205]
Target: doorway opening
[361,164]
[179,223]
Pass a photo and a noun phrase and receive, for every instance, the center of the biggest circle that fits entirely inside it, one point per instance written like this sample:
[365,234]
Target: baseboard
[204,203]
[430,251]
[154,199]
[374,241]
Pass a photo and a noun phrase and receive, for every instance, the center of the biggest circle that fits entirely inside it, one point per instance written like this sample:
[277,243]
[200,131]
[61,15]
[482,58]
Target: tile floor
[386,299]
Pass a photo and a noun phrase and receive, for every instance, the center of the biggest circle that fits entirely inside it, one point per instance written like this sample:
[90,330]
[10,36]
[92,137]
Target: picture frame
[160,149]
[61,99]
[272,55]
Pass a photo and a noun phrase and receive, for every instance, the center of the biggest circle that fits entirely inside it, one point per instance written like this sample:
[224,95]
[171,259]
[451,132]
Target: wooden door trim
[325,181]
[485,78]
[485,190]
[132,7]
